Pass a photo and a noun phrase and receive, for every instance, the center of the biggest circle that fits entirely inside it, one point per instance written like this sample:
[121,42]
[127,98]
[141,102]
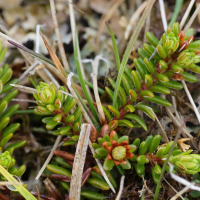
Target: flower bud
[170,43]
[6,160]
[119,153]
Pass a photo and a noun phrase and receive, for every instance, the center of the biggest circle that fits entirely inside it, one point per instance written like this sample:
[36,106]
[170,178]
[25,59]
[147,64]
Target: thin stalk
[78,67]
[49,157]
[173,188]
[121,188]
[28,70]
[129,49]
[191,100]
[114,46]
[177,9]
[101,168]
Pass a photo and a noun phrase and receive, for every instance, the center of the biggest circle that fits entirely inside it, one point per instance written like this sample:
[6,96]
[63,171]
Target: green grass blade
[177,9]
[20,188]
[78,68]
[129,48]
[36,55]
[114,46]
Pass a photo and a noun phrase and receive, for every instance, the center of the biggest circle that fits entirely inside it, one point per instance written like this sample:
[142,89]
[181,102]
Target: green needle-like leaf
[93,110]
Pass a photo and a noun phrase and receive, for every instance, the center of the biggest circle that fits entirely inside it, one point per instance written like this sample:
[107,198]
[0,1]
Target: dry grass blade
[176,196]
[162,129]
[163,15]
[9,183]
[49,157]
[107,17]
[95,64]
[79,161]
[101,168]
[38,192]
[186,13]
[191,100]
[134,18]
[192,18]
[121,188]
[173,188]
[32,90]
[60,44]
[54,58]
[28,70]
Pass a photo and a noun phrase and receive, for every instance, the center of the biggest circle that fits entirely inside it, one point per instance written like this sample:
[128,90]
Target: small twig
[173,188]
[186,14]
[79,161]
[28,70]
[177,123]
[191,100]
[60,44]
[134,18]
[192,18]
[49,157]
[52,189]
[121,188]
[162,129]
[163,14]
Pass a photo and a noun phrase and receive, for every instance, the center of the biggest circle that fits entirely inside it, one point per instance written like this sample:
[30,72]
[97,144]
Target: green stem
[114,46]
[24,111]
[129,49]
